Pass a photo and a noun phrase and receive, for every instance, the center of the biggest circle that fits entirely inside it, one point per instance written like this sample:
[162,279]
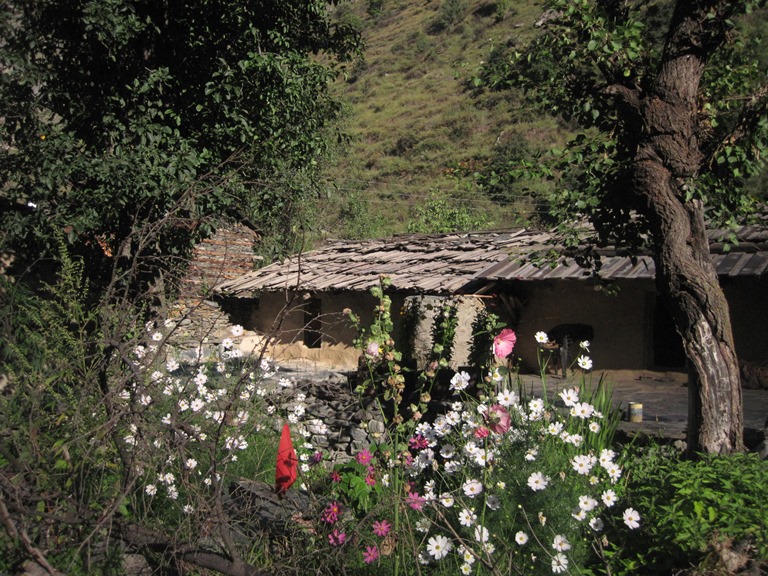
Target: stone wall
[337,421]
[227,254]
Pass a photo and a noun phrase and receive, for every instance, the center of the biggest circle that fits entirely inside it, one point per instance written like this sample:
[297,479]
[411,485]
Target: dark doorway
[667,345]
[312,324]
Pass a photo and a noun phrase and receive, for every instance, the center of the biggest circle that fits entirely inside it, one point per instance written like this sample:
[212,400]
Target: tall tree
[119,113]
[671,125]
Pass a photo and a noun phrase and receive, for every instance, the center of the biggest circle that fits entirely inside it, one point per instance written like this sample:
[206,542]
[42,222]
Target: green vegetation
[708,513]
[120,114]
[415,127]
[416,122]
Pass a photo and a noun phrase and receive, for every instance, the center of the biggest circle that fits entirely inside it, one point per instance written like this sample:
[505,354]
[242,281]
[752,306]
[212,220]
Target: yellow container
[635,412]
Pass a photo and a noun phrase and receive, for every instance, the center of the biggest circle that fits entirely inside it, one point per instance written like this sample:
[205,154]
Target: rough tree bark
[668,155]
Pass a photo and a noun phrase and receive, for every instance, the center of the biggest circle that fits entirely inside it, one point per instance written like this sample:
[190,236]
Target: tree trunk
[668,155]
[688,282]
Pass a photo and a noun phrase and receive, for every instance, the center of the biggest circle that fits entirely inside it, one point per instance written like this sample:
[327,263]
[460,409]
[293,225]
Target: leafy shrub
[693,510]
[449,14]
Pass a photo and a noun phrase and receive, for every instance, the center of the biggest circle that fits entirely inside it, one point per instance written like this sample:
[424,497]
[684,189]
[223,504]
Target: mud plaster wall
[748,302]
[338,333]
[622,324]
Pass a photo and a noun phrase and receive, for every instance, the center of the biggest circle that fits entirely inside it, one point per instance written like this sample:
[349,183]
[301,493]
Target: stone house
[300,302]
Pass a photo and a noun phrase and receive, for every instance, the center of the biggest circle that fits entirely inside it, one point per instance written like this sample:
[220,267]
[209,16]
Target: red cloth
[285,471]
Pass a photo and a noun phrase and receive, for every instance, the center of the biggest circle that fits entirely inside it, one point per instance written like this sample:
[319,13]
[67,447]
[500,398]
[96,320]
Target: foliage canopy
[120,113]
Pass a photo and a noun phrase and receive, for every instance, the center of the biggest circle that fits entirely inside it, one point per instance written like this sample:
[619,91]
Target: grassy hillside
[416,130]
[412,120]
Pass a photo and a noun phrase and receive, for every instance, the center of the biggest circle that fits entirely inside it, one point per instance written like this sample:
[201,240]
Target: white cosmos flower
[438,547]
[507,398]
[537,481]
[609,498]
[631,518]
[521,538]
[582,410]
[587,503]
[559,563]
[584,362]
[541,337]
[467,517]
[472,487]
[236,330]
[560,543]
[582,463]
[447,451]
[481,534]
[447,499]
[570,397]
[606,457]
[460,381]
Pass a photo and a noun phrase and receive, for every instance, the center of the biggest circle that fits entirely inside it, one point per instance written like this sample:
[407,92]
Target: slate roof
[464,262]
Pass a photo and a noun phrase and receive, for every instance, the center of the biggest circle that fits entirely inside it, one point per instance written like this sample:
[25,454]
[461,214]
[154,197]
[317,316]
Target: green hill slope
[413,123]
[417,133]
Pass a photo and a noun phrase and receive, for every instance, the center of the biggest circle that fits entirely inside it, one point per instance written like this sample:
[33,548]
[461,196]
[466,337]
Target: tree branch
[139,537]
[627,97]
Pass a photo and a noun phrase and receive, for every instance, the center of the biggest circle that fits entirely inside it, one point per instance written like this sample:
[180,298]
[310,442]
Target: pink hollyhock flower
[381,528]
[504,343]
[373,349]
[371,554]
[498,419]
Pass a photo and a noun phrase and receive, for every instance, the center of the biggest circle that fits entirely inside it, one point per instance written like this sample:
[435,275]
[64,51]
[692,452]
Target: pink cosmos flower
[331,513]
[335,476]
[481,432]
[498,419]
[381,528]
[504,343]
[415,501]
[336,538]
[364,457]
[418,442]
[371,554]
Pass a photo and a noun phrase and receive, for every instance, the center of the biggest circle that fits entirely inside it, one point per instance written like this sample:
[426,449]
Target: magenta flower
[370,479]
[331,513]
[498,419]
[316,458]
[504,343]
[335,476]
[381,528]
[418,442]
[415,501]
[371,554]
[364,456]
[336,538]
